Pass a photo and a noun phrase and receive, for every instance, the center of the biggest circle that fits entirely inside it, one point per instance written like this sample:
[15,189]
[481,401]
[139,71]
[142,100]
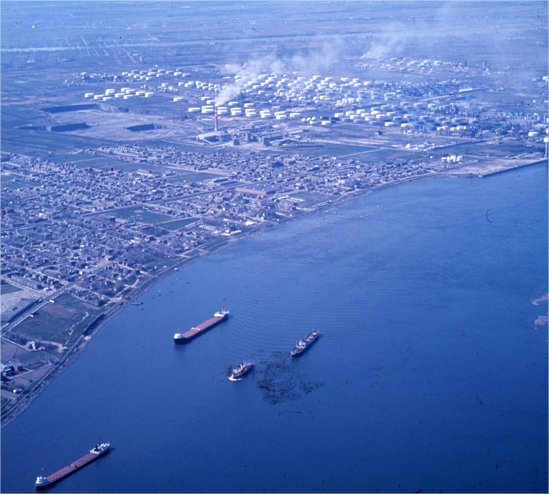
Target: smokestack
[215,119]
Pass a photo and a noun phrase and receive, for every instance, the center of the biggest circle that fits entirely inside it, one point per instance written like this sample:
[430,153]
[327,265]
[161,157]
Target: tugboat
[240,371]
[305,343]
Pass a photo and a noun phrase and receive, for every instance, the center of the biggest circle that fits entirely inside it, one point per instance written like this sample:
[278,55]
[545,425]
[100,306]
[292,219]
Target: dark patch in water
[278,380]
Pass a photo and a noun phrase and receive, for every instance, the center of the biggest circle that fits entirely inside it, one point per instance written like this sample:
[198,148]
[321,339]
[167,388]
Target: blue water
[430,373]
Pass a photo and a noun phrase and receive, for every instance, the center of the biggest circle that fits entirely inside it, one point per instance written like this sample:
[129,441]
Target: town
[179,163]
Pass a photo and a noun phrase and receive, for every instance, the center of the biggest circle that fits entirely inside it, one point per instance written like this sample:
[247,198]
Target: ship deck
[75,465]
[212,321]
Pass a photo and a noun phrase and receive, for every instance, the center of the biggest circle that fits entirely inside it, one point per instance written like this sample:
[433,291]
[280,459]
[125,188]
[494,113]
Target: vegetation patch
[177,224]
[311,198]
[64,109]
[13,182]
[141,128]
[140,215]
[6,288]
[192,177]
[61,322]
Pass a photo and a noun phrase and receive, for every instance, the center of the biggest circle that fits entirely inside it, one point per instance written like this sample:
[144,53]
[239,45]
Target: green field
[22,141]
[14,182]
[341,150]
[175,225]
[108,162]
[61,322]
[6,288]
[72,158]
[483,148]
[385,155]
[185,176]
[214,242]
[140,215]
[310,198]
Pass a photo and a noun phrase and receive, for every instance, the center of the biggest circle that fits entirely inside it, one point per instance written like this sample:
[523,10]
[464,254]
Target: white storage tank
[88,95]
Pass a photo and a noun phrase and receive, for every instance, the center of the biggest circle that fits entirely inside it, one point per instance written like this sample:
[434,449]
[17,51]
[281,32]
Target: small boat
[305,343]
[240,370]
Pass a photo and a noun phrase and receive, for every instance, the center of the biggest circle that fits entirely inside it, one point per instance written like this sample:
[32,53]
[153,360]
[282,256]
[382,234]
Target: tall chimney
[215,119]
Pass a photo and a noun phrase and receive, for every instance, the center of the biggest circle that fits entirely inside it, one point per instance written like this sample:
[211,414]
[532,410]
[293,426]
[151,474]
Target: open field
[61,322]
[177,224]
[6,288]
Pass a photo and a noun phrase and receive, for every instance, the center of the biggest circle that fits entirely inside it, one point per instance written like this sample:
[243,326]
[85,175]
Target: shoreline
[80,345]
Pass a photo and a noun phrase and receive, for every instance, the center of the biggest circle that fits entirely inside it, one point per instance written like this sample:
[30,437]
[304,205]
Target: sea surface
[430,373]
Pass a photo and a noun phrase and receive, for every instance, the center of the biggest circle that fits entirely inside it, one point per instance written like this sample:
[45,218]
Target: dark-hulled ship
[305,343]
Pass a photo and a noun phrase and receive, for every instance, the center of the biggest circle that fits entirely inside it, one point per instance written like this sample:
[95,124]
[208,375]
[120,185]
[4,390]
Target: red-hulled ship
[96,452]
[201,328]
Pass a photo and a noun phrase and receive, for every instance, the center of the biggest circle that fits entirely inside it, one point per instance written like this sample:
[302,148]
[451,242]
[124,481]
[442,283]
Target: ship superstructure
[240,370]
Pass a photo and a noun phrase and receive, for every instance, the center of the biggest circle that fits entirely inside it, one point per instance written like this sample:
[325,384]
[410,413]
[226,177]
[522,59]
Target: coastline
[102,320]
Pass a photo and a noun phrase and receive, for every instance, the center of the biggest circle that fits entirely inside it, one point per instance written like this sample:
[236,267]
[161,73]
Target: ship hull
[309,340]
[58,476]
[198,330]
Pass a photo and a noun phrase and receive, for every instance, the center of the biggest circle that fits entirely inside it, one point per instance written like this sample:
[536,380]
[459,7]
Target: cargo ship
[305,343]
[201,328]
[240,371]
[96,452]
